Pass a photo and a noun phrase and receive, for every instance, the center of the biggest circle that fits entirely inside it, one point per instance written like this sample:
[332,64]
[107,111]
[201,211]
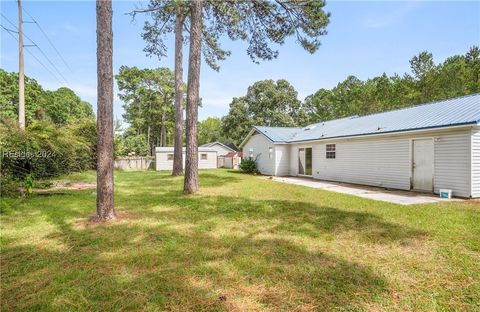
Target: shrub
[86,131]
[42,150]
[248,166]
[8,186]
[28,183]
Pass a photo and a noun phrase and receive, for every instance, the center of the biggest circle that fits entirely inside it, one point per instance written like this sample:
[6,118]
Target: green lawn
[242,244]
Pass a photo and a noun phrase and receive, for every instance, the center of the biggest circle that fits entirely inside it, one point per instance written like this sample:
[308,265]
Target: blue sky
[364,39]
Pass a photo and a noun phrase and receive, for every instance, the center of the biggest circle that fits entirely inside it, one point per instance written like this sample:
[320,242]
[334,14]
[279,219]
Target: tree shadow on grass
[130,267]
[163,182]
[186,253]
[290,217]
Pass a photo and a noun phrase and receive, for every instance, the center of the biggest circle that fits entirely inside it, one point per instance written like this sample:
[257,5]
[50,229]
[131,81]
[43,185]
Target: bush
[248,166]
[43,150]
[8,186]
[86,131]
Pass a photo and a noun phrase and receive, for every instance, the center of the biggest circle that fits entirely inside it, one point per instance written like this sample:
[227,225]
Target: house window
[203,156]
[169,156]
[270,152]
[330,151]
[251,153]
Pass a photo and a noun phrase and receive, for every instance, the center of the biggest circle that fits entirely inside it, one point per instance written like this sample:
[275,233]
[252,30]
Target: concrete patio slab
[370,192]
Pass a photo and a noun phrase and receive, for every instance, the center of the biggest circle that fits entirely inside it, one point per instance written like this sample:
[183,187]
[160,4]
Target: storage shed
[207,158]
[423,148]
[221,148]
[232,160]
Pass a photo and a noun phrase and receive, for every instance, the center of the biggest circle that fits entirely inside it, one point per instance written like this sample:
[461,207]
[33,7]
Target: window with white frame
[250,153]
[203,156]
[330,151]
[169,156]
[270,152]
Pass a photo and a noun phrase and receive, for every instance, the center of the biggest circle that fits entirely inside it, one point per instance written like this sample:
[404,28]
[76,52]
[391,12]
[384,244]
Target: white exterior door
[305,161]
[423,165]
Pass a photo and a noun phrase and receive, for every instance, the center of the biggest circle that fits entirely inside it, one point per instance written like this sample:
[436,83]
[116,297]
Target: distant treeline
[60,106]
[271,103]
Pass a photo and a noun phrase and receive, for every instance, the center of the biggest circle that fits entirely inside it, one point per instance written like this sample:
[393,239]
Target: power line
[48,39]
[40,49]
[9,31]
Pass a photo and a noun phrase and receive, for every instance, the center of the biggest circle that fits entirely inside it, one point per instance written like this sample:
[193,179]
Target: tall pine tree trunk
[191,162]
[178,140]
[105,206]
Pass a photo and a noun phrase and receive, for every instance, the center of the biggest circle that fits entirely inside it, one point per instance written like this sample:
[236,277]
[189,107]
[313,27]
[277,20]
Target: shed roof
[233,154]
[168,149]
[447,113]
[217,143]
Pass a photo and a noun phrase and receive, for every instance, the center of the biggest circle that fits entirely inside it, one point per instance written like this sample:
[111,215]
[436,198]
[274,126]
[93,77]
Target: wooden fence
[135,163]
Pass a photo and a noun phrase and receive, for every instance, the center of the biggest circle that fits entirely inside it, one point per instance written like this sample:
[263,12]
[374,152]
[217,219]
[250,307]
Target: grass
[242,244]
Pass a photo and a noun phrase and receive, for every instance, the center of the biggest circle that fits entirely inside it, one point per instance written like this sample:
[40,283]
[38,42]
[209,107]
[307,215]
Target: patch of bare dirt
[93,221]
[77,186]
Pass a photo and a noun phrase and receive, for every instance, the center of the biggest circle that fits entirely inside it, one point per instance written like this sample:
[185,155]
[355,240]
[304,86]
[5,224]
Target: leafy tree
[61,106]
[473,62]
[267,103]
[210,130]
[64,106]
[320,106]
[423,69]
[148,95]
[257,22]
[458,75]
[422,64]
[134,144]
[35,96]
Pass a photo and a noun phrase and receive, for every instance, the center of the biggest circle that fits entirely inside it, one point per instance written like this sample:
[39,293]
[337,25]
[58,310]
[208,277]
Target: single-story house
[207,158]
[424,148]
[221,148]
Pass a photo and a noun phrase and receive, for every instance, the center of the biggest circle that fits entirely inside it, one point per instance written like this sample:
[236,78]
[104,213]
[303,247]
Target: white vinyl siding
[209,163]
[294,159]
[475,162]
[162,162]
[282,161]
[260,146]
[378,162]
[385,161]
[452,163]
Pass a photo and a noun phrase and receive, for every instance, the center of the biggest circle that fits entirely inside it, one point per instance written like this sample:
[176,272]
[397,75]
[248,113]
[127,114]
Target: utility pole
[21,70]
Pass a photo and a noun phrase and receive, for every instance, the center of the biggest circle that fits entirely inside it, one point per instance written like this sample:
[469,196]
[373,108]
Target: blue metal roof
[278,134]
[458,111]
